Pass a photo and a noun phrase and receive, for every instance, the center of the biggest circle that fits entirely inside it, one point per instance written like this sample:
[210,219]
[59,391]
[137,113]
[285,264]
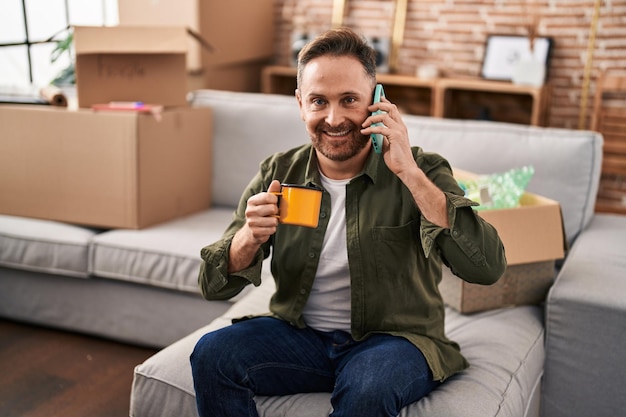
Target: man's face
[333,95]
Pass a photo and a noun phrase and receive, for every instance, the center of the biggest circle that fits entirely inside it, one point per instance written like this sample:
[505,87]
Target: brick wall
[451,34]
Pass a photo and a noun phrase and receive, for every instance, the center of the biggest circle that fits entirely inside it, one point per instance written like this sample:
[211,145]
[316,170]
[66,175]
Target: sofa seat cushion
[44,246]
[166,255]
[504,347]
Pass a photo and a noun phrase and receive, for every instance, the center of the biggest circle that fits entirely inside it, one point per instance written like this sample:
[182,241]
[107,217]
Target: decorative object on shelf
[295,13]
[382,47]
[298,40]
[397,37]
[511,58]
[584,96]
[383,44]
[530,70]
[427,72]
[339,11]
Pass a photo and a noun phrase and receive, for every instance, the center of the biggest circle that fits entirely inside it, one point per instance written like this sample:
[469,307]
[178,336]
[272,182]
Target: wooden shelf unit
[444,97]
[504,101]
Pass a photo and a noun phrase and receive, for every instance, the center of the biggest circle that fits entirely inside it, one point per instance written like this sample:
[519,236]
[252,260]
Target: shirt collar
[312,176]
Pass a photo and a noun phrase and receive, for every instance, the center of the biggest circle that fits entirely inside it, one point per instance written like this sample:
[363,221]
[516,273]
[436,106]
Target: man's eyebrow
[343,94]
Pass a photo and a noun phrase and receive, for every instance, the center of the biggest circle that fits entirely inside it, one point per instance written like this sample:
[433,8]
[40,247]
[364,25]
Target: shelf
[443,97]
[504,101]
[411,95]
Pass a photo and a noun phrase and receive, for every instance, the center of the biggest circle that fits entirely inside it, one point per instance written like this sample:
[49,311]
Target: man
[357,312]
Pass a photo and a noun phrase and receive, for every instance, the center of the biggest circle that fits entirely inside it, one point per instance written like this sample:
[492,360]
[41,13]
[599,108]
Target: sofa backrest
[247,127]
[250,126]
[567,163]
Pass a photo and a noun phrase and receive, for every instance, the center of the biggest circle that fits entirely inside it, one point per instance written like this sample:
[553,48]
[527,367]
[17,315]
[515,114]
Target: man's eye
[318,102]
[350,100]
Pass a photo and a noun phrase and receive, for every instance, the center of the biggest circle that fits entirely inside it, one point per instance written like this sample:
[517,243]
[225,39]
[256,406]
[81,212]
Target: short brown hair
[338,42]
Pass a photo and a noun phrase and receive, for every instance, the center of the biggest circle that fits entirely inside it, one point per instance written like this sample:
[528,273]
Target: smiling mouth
[337,134]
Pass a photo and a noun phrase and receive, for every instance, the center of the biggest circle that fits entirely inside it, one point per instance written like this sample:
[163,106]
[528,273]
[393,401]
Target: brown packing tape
[54,96]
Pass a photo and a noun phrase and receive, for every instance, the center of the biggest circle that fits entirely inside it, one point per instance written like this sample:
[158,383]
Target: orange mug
[299,205]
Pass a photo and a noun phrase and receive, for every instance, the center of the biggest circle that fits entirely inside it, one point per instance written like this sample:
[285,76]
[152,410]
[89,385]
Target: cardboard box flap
[130,39]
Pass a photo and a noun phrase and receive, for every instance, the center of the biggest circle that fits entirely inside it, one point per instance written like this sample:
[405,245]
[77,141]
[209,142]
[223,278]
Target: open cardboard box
[533,238]
[104,169]
[243,43]
[131,63]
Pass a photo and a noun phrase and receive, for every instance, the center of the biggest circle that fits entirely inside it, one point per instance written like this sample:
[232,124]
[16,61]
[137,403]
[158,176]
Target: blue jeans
[266,356]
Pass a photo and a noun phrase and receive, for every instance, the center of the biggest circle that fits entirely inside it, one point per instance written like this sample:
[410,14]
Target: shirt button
[455,233]
[323,214]
[302,291]
[311,255]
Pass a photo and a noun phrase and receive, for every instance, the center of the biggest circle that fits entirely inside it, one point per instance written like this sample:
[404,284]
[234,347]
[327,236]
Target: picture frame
[502,52]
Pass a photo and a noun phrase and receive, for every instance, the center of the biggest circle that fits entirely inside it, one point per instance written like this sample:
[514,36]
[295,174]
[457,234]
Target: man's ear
[299,98]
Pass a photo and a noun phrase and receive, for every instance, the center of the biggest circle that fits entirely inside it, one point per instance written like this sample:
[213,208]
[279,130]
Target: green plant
[67,75]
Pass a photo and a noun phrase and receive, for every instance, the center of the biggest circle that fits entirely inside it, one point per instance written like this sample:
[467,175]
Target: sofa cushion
[244,134]
[571,178]
[166,255]
[44,246]
[504,348]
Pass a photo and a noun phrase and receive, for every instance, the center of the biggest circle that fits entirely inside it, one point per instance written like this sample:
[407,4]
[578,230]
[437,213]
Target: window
[30,31]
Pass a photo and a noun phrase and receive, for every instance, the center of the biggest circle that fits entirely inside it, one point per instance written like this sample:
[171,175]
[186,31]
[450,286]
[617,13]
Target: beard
[341,150]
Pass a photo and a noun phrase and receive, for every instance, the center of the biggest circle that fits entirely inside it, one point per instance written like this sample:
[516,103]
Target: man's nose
[335,115]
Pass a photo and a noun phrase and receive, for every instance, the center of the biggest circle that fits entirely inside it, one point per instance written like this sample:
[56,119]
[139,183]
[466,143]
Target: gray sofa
[559,359]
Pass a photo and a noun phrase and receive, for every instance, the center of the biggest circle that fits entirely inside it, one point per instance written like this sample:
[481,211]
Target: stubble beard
[342,151]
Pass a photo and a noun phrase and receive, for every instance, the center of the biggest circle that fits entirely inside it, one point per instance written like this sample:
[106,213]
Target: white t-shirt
[328,306]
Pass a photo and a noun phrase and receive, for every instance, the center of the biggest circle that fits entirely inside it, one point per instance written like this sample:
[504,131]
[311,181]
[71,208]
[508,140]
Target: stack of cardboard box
[241,34]
[121,168]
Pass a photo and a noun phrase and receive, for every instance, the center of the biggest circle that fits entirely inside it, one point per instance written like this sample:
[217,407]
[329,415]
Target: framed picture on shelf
[503,52]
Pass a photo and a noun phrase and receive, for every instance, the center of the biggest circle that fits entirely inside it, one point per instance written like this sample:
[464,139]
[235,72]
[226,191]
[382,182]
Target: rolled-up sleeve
[471,246]
[214,280]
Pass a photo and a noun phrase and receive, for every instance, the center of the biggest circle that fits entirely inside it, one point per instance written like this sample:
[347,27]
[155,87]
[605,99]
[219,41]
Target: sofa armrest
[586,326]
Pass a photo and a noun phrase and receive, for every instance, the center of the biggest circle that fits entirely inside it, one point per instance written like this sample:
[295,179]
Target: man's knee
[209,351]
[201,352]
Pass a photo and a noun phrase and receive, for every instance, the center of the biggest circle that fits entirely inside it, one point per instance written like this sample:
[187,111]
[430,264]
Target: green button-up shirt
[394,253]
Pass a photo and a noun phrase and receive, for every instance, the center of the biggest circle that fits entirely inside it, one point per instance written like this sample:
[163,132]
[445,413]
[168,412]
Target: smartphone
[377,139]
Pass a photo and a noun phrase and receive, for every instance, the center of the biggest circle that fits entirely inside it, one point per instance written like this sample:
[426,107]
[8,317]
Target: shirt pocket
[396,249]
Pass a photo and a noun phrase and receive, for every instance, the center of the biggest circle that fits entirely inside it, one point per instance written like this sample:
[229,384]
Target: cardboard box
[239,30]
[104,169]
[164,13]
[235,77]
[131,63]
[521,284]
[244,42]
[533,238]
